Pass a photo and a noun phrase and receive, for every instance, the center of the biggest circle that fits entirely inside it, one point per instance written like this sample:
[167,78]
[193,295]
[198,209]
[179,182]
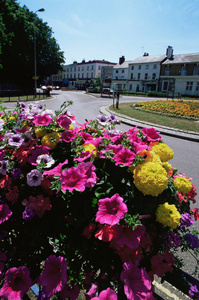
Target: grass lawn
[130,110]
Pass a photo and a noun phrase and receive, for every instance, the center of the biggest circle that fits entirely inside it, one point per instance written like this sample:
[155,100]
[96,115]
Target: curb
[188,135]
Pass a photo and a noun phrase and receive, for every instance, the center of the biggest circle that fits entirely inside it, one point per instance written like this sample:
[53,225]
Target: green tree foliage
[17,25]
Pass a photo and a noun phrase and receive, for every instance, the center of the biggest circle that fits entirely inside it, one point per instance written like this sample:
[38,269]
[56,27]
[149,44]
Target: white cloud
[58,26]
[77,20]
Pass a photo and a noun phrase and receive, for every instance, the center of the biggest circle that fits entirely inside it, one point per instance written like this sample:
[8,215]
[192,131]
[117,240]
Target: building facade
[180,75]
[80,75]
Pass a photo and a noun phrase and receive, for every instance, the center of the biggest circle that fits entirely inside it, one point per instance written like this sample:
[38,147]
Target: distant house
[144,73]
[80,75]
[120,74]
[180,74]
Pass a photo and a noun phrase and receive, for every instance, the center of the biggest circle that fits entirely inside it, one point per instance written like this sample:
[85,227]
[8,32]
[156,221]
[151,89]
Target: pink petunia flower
[161,264]
[3,258]
[107,294]
[63,121]
[54,276]
[137,284]
[42,120]
[57,170]
[5,213]
[17,282]
[124,157]
[70,291]
[72,179]
[151,134]
[88,170]
[68,136]
[111,210]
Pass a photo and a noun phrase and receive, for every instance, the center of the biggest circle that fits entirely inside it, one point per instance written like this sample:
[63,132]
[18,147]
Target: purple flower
[173,239]
[16,172]
[28,214]
[15,140]
[186,221]
[192,240]
[112,118]
[3,167]
[34,178]
[193,292]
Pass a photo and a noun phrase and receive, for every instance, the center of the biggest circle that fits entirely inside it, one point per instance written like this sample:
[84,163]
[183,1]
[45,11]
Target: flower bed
[188,109]
[88,207]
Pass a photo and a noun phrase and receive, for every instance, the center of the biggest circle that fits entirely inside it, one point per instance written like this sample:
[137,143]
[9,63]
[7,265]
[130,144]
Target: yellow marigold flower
[71,127]
[12,118]
[150,178]
[182,184]
[90,147]
[165,152]
[167,166]
[50,140]
[168,215]
[40,132]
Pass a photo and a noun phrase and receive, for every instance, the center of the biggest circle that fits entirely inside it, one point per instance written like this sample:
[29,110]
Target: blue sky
[108,29]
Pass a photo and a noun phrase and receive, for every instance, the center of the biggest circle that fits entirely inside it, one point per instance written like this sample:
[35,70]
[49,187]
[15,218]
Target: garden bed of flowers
[188,109]
[88,207]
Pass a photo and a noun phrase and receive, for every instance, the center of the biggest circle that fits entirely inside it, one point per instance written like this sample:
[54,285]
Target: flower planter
[87,207]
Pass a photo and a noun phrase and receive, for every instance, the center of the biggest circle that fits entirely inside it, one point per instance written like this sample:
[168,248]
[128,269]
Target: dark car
[107,91]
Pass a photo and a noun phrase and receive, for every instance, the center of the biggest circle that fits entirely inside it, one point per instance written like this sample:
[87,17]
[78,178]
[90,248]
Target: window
[167,71]
[122,71]
[138,76]
[74,76]
[165,85]
[154,76]
[74,69]
[99,68]
[82,68]
[147,66]
[130,88]
[91,75]
[82,75]
[189,86]
[196,70]
[117,71]
[145,76]
[184,71]
[87,68]
[131,75]
[116,77]
[78,68]
[132,67]
[92,68]
[155,66]
[139,67]
[78,75]
[197,86]
[87,75]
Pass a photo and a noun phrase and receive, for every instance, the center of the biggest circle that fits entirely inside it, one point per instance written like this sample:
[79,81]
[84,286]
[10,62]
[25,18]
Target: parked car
[107,91]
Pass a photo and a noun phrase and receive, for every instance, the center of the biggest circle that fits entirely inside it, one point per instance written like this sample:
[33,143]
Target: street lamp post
[35,53]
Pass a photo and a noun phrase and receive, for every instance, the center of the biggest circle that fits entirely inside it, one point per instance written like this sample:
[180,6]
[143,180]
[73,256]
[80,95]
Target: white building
[121,74]
[144,73]
[80,75]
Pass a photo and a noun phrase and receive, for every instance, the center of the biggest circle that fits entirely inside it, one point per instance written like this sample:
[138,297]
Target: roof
[124,65]
[149,59]
[183,58]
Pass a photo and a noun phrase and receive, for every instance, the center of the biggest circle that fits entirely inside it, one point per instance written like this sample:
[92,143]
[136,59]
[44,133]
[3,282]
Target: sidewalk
[188,135]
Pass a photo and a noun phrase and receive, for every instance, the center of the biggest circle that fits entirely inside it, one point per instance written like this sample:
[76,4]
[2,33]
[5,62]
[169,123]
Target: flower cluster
[88,207]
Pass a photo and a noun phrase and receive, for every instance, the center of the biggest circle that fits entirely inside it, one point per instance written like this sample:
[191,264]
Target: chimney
[121,60]
[146,54]
[169,52]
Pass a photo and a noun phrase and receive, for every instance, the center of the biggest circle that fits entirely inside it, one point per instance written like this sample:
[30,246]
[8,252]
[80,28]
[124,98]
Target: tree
[17,25]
